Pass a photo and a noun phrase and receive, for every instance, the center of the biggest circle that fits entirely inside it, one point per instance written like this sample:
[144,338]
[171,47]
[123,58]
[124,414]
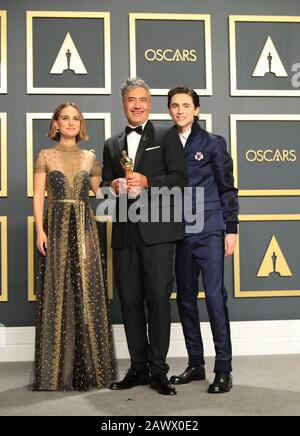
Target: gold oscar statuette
[126,163]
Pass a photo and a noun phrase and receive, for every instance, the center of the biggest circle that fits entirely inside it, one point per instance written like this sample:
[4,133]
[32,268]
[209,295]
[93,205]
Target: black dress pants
[144,279]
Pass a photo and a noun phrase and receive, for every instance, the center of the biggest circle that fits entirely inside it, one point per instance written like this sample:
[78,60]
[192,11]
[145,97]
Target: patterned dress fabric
[74,348]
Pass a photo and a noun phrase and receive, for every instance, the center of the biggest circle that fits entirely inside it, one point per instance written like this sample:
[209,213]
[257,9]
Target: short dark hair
[184,90]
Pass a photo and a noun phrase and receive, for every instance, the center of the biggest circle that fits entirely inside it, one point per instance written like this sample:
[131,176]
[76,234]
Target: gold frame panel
[233,140]
[182,17]
[3,52]
[238,293]
[233,19]
[3,155]
[30,15]
[205,117]
[30,248]
[4,254]
[106,116]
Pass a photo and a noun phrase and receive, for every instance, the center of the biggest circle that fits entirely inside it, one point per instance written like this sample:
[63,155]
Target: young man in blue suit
[209,166]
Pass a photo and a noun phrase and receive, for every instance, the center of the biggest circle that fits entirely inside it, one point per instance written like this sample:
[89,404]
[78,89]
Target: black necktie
[138,130]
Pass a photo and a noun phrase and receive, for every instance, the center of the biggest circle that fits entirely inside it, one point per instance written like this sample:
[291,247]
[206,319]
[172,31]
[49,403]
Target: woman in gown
[74,348]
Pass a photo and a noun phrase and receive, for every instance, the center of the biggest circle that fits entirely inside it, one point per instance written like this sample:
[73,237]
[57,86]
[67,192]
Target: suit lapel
[174,136]
[146,137]
[122,143]
[194,132]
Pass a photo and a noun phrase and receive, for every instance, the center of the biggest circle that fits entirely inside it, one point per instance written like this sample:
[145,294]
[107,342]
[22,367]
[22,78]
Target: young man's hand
[229,243]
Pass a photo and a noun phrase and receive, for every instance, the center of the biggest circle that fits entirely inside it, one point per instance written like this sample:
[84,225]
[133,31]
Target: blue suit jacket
[209,165]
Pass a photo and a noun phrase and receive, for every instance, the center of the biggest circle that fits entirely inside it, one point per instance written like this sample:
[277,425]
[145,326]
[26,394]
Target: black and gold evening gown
[74,348]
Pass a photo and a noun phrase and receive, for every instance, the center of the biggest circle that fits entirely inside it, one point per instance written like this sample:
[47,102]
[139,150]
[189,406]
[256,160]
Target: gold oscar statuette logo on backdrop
[269,62]
[68,59]
[274,262]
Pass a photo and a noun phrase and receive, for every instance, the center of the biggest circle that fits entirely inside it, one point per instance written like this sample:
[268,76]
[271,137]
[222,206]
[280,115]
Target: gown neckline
[70,148]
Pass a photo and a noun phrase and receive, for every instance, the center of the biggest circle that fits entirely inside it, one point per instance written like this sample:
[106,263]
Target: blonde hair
[53,134]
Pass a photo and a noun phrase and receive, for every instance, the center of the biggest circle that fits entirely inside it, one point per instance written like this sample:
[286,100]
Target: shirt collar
[143,125]
[186,134]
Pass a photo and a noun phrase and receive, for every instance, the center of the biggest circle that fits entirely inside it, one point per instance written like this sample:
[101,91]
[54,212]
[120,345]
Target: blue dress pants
[203,253]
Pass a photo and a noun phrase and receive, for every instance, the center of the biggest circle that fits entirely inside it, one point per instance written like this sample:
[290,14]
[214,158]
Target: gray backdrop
[18,311]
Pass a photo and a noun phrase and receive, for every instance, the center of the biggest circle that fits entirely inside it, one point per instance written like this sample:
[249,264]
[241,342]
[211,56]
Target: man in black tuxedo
[143,251]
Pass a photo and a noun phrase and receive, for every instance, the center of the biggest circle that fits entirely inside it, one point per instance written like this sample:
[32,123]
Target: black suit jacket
[161,159]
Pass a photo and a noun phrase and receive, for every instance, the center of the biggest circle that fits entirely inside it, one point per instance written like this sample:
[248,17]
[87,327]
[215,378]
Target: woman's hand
[42,242]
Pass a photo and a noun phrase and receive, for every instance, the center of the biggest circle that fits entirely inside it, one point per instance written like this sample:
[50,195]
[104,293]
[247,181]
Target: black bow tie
[138,130]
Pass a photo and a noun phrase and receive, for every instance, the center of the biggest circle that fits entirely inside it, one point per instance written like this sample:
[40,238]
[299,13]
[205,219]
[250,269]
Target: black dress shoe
[222,383]
[191,373]
[162,386]
[131,379]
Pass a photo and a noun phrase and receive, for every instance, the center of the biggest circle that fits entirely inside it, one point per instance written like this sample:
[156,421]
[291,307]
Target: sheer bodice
[73,341]
[68,171]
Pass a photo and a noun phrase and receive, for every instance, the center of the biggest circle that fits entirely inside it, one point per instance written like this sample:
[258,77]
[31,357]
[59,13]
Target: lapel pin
[199,155]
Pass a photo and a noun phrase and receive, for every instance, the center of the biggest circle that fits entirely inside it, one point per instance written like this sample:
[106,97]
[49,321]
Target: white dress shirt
[184,137]
[133,140]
